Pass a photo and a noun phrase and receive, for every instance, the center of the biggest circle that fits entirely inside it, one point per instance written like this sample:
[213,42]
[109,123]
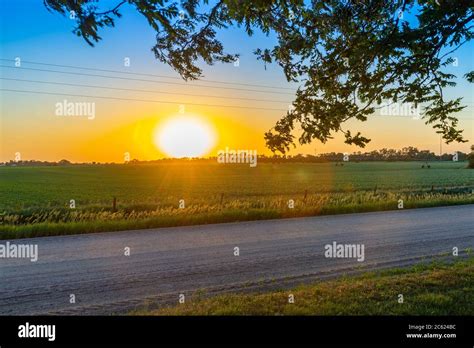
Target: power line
[140,90]
[142,74]
[140,100]
[171,93]
[145,80]
[156,101]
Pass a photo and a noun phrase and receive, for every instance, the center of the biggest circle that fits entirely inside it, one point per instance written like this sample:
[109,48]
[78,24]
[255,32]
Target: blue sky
[29,31]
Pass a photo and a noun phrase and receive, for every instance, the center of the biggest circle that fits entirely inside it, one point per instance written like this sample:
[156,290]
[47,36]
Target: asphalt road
[164,263]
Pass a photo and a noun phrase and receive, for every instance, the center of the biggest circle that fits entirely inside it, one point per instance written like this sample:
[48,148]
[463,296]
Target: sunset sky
[30,126]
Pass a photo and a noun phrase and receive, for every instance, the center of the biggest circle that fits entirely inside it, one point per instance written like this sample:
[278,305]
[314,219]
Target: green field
[35,201]
[436,289]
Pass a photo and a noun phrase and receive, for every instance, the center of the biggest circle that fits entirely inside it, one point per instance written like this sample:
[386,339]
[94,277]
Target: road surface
[166,262]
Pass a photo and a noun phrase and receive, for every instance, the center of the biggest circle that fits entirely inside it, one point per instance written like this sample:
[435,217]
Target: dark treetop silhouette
[348,56]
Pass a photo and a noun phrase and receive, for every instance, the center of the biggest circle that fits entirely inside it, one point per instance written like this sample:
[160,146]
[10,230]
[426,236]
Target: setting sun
[184,136]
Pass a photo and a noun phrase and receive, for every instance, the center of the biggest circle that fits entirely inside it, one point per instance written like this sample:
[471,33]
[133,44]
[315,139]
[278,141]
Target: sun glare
[184,136]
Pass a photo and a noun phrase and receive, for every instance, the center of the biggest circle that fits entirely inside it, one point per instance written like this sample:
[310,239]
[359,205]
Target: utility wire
[169,102]
[149,75]
[140,90]
[145,80]
[139,100]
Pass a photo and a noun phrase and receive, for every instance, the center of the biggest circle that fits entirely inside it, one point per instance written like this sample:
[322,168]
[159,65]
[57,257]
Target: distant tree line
[405,154]
[471,158]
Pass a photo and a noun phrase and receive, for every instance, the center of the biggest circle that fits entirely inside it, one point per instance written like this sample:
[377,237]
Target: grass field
[35,201]
[436,289]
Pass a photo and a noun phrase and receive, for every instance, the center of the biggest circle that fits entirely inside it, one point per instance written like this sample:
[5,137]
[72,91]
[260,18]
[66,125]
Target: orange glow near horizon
[134,129]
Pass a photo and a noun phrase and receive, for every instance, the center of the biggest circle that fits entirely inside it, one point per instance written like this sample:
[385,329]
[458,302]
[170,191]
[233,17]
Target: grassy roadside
[435,289]
[196,215]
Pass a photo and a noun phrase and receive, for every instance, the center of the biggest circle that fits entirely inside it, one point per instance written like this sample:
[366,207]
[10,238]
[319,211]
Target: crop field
[37,201]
